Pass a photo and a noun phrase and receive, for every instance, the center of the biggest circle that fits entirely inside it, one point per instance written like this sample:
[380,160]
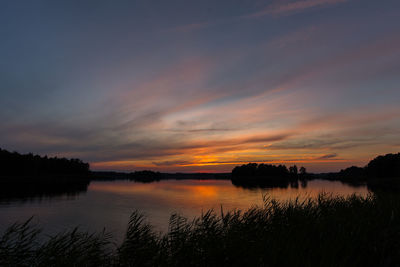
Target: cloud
[171,163]
[261,102]
[292,7]
[190,27]
[207,130]
[327,156]
[228,142]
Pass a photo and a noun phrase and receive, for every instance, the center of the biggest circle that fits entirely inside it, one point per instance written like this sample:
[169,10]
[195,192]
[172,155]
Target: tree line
[382,172]
[384,166]
[16,164]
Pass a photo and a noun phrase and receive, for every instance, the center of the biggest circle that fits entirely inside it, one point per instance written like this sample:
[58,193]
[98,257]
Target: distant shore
[29,172]
[100,175]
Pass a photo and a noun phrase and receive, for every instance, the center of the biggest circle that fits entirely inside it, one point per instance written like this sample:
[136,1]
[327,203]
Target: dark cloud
[171,163]
[328,156]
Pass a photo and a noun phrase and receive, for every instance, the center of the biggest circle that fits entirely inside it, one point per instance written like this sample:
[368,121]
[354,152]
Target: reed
[326,231]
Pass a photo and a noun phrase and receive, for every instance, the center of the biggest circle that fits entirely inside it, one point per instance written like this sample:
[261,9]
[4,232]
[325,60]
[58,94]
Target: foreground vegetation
[328,231]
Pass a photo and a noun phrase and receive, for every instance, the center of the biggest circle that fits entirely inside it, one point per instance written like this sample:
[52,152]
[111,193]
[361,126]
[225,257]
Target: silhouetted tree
[383,173]
[384,166]
[32,175]
[15,164]
[352,172]
[293,170]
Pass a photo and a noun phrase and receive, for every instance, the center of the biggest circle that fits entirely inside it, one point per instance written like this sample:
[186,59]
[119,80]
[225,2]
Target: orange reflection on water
[171,192]
[197,195]
[158,200]
[205,191]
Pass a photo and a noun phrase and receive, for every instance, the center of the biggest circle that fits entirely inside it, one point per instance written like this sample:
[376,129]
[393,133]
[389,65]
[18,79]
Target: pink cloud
[291,7]
[190,27]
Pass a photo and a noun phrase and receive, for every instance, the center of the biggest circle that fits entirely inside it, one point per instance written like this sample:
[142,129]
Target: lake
[109,203]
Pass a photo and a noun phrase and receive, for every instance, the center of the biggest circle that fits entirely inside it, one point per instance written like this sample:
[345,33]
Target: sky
[201,86]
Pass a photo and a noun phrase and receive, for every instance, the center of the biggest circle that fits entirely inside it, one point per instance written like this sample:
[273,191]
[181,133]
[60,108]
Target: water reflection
[22,192]
[109,203]
[216,192]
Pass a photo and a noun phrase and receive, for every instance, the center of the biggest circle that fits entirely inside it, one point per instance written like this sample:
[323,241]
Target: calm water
[109,204]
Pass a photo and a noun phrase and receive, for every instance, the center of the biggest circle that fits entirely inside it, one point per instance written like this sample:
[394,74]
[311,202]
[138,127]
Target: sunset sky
[201,86]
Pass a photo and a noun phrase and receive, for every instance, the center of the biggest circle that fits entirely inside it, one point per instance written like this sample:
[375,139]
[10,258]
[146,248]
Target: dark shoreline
[100,175]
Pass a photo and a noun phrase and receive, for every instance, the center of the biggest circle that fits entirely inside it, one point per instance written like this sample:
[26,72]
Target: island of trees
[267,175]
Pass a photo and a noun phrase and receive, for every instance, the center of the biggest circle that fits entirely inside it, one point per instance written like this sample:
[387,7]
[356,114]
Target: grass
[328,231]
